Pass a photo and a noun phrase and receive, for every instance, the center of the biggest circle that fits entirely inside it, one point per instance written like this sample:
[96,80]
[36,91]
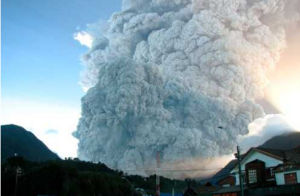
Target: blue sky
[41,64]
[40,58]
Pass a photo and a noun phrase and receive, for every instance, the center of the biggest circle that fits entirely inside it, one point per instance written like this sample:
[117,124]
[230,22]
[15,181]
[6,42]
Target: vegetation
[43,173]
[75,177]
[62,177]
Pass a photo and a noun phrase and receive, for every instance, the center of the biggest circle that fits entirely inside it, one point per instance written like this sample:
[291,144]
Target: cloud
[179,77]
[84,38]
[51,131]
[263,129]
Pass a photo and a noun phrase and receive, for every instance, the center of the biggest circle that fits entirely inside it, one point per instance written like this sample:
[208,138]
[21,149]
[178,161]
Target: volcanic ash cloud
[179,77]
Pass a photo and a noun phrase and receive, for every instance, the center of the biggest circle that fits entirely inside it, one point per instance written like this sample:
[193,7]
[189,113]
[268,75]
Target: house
[257,166]
[228,181]
[289,172]
[228,191]
[221,177]
[264,172]
[266,167]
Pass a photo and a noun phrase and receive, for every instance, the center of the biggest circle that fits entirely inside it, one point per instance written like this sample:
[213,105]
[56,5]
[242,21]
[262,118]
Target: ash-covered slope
[284,142]
[15,139]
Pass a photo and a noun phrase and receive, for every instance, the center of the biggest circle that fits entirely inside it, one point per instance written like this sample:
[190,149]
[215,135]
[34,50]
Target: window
[252,176]
[290,178]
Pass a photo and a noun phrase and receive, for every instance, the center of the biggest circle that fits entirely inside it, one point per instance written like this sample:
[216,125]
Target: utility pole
[18,173]
[173,191]
[240,171]
[157,175]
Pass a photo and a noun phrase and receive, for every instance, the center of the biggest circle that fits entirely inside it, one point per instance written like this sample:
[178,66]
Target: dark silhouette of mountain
[284,142]
[17,140]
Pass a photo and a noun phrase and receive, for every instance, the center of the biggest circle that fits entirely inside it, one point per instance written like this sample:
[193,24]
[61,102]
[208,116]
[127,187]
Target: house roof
[232,189]
[292,155]
[206,189]
[287,167]
[224,172]
[274,153]
[225,179]
[255,162]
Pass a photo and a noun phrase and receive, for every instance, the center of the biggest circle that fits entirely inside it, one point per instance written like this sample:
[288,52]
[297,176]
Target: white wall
[253,155]
[280,177]
[237,178]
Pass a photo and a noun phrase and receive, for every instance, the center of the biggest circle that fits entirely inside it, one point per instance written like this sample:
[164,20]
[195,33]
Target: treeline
[61,177]
[75,177]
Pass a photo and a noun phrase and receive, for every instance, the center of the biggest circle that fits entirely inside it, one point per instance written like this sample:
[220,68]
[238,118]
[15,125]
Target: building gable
[254,154]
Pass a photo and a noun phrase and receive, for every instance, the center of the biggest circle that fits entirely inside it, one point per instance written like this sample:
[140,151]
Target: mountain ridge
[17,140]
[284,141]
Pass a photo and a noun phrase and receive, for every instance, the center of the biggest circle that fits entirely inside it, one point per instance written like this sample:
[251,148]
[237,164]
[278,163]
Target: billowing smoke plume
[263,129]
[179,77]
